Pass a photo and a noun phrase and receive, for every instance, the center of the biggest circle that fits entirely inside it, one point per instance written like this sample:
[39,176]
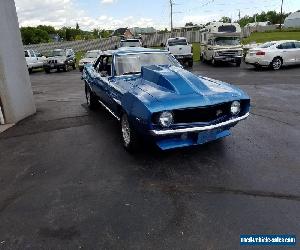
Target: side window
[26,53]
[32,53]
[297,45]
[104,67]
[288,45]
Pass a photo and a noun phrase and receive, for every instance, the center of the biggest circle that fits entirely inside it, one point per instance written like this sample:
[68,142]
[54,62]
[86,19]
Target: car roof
[95,50]
[130,50]
[282,41]
[177,38]
[130,39]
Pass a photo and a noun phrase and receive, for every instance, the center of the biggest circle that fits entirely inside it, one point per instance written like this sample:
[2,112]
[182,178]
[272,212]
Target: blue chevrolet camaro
[158,101]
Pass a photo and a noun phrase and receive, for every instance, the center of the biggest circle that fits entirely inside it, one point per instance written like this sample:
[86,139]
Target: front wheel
[276,64]
[65,68]
[129,136]
[238,64]
[74,66]
[190,63]
[91,99]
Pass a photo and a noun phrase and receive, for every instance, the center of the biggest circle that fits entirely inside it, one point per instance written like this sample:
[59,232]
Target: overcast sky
[111,14]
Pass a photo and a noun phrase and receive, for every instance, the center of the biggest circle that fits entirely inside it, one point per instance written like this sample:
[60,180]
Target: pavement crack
[192,189]
[273,119]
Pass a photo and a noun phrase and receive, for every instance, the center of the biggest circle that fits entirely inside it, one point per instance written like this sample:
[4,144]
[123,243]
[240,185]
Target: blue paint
[164,88]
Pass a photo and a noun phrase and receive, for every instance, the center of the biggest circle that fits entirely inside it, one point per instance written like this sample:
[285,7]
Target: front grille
[52,61]
[201,114]
[204,114]
[228,53]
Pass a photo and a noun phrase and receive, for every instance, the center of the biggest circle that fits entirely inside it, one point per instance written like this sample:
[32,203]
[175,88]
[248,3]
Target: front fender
[138,113]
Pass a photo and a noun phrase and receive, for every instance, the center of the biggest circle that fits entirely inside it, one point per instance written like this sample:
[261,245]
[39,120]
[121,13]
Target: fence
[152,40]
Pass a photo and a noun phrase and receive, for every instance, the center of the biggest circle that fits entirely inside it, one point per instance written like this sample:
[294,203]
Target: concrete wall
[15,87]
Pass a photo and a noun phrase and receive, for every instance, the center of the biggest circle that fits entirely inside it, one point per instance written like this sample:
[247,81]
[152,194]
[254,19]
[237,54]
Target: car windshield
[92,54]
[227,41]
[130,43]
[132,63]
[266,45]
[57,53]
[174,42]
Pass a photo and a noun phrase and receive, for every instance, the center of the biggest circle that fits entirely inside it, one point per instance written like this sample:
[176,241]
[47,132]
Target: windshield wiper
[131,73]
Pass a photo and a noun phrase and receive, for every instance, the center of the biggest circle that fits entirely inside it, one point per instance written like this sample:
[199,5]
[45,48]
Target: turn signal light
[260,53]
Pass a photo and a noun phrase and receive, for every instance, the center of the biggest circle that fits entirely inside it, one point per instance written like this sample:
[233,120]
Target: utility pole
[239,15]
[171,6]
[281,15]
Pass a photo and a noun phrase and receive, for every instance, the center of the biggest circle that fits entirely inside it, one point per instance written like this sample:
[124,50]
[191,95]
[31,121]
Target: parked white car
[274,54]
[181,50]
[90,57]
[34,60]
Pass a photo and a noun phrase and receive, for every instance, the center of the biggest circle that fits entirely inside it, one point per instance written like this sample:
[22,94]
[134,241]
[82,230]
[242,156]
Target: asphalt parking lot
[67,183]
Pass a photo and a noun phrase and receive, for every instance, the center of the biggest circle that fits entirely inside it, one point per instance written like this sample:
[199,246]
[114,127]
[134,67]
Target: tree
[225,19]
[32,35]
[77,26]
[189,24]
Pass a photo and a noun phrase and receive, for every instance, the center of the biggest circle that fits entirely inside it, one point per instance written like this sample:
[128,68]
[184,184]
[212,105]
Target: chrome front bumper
[198,129]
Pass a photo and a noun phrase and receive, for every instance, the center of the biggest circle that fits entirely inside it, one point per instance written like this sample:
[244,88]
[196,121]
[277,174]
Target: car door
[33,58]
[101,79]
[287,52]
[297,50]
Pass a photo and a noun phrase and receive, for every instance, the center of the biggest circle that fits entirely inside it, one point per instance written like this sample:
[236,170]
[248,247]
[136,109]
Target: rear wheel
[74,66]
[190,63]
[30,70]
[129,136]
[276,64]
[47,71]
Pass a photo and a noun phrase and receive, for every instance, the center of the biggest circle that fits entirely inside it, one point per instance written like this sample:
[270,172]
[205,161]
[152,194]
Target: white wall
[15,87]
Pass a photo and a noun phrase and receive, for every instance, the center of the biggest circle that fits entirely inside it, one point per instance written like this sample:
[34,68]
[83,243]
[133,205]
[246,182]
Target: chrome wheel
[88,97]
[125,130]
[276,63]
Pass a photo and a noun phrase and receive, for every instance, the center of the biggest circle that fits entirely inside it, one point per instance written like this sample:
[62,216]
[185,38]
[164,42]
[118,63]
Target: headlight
[240,52]
[61,61]
[216,53]
[166,119]
[235,108]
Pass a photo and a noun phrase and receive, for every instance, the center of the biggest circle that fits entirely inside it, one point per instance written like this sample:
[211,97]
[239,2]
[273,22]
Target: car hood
[228,47]
[176,88]
[87,60]
[57,58]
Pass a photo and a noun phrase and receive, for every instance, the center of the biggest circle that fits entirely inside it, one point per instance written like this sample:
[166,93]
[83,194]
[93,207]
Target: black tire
[190,63]
[238,64]
[91,99]
[276,63]
[30,70]
[74,66]
[202,59]
[213,62]
[66,68]
[47,71]
[129,136]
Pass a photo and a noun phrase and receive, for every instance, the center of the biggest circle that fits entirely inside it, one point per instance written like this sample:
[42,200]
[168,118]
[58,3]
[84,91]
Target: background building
[293,20]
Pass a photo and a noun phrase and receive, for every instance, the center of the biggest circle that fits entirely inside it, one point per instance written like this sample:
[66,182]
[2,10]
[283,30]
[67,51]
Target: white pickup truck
[34,60]
[181,50]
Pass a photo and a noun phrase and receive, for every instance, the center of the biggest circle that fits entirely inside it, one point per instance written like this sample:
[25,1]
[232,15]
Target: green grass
[262,37]
[79,55]
[196,51]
